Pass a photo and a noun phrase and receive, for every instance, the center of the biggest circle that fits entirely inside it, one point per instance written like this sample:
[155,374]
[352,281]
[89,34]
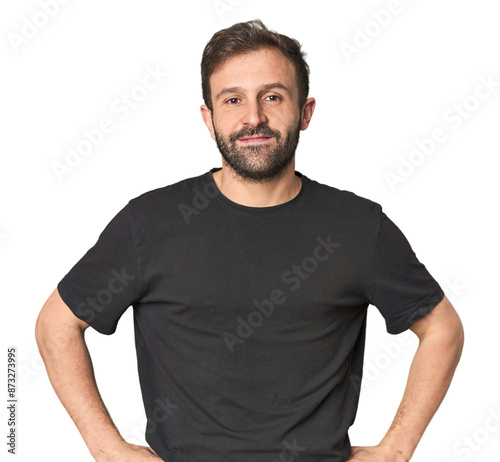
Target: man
[250,286]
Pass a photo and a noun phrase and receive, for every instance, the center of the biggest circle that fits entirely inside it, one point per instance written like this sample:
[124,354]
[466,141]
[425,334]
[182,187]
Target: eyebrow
[268,86]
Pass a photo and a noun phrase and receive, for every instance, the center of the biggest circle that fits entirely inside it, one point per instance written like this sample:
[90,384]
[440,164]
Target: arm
[441,338]
[60,338]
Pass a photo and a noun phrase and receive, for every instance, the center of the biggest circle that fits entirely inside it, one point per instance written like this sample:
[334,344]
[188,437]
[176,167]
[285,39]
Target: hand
[126,452]
[375,454]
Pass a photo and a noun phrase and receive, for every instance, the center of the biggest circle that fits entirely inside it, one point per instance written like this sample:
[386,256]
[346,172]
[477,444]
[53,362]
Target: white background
[64,77]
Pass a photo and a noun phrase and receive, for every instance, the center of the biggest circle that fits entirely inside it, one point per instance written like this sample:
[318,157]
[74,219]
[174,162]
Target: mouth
[255,139]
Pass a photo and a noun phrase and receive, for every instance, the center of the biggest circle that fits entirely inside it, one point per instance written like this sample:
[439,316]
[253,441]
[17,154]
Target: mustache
[261,130]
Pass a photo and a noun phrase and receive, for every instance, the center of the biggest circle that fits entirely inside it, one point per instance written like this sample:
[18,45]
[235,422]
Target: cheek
[287,124]
[225,127]
[284,120]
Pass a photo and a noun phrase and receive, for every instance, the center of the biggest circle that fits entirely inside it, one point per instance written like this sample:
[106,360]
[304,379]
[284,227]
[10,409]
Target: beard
[262,162]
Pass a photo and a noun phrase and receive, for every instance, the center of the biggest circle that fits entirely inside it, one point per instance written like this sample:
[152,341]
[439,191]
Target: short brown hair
[245,37]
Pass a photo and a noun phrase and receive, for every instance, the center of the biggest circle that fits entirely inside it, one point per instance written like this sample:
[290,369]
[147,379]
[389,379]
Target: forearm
[430,376]
[71,374]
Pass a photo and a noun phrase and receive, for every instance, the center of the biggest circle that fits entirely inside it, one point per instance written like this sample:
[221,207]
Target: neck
[258,194]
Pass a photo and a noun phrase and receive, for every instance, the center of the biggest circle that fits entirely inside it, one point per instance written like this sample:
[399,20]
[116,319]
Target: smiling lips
[255,139]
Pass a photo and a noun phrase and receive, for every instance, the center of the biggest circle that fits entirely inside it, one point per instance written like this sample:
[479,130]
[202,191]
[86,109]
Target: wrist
[396,452]
[106,449]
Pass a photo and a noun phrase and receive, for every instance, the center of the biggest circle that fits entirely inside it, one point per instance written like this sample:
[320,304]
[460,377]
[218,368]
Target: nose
[254,114]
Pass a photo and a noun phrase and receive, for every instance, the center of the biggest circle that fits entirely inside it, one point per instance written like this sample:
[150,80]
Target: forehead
[253,69]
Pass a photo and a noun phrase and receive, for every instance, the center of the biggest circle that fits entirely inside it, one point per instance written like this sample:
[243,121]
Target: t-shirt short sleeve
[105,281]
[400,286]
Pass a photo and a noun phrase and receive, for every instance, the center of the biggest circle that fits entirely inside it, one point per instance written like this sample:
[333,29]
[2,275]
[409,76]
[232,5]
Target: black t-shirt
[249,321]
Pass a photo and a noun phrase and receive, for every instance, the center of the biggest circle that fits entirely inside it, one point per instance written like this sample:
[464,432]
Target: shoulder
[167,200]
[343,203]
[172,190]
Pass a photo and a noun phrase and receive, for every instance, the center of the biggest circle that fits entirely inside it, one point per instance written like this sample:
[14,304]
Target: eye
[274,97]
[231,101]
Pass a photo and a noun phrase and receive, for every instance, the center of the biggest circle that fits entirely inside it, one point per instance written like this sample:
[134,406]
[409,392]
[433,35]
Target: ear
[307,112]
[206,115]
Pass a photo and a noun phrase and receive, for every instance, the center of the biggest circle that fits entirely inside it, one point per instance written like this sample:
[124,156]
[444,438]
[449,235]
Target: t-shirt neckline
[259,210]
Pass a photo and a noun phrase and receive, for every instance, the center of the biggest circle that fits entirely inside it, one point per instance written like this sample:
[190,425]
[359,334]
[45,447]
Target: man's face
[256,116]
